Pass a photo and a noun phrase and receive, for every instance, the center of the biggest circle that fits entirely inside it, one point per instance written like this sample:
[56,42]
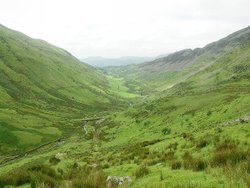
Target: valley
[177,121]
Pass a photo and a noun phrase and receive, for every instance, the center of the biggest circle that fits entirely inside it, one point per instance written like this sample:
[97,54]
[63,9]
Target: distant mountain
[176,67]
[181,59]
[104,62]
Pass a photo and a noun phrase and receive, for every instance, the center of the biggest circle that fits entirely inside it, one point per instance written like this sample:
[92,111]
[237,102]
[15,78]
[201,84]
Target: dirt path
[95,141]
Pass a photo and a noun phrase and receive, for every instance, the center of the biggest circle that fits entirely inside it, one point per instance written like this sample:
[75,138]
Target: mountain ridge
[167,71]
[231,40]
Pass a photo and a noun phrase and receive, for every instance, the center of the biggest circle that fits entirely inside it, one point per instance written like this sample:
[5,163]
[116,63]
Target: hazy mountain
[183,58]
[104,62]
[176,67]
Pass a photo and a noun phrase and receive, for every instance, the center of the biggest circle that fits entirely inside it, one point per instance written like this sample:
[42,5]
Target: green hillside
[167,71]
[195,133]
[43,88]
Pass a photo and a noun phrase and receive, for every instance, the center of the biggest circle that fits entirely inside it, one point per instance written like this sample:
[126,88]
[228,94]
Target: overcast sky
[113,28]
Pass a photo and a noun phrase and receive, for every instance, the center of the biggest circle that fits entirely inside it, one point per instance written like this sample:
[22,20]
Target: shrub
[75,165]
[166,131]
[199,164]
[175,165]
[80,183]
[173,146]
[15,178]
[187,155]
[228,153]
[43,179]
[137,121]
[161,176]
[106,165]
[247,166]
[149,142]
[35,174]
[247,180]
[54,160]
[228,156]
[209,113]
[44,169]
[188,136]
[170,155]
[141,171]
[202,143]
[152,161]
[196,164]
[146,123]
[60,171]
[93,179]
[136,150]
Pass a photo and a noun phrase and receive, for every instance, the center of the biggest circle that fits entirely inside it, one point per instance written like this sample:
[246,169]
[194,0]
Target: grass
[43,87]
[25,137]
[141,171]
[190,122]
[186,136]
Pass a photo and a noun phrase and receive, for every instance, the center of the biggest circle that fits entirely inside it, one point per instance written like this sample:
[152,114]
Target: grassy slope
[42,86]
[193,124]
[194,111]
[190,118]
[165,72]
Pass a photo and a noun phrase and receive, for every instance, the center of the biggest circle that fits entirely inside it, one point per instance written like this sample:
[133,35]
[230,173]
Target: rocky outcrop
[115,180]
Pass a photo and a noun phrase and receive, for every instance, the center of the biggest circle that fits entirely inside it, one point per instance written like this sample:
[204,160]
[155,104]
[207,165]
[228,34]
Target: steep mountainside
[33,69]
[40,85]
[196,132]
[180,60]
[164,72]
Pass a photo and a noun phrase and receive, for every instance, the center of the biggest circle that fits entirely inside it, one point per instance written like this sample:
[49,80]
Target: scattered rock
[239,120]
[111,180]
[60,156]
[158,164]
[93,165]
[100,121]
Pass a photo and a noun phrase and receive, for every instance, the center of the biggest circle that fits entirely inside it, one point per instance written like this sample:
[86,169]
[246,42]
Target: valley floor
[196,139]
